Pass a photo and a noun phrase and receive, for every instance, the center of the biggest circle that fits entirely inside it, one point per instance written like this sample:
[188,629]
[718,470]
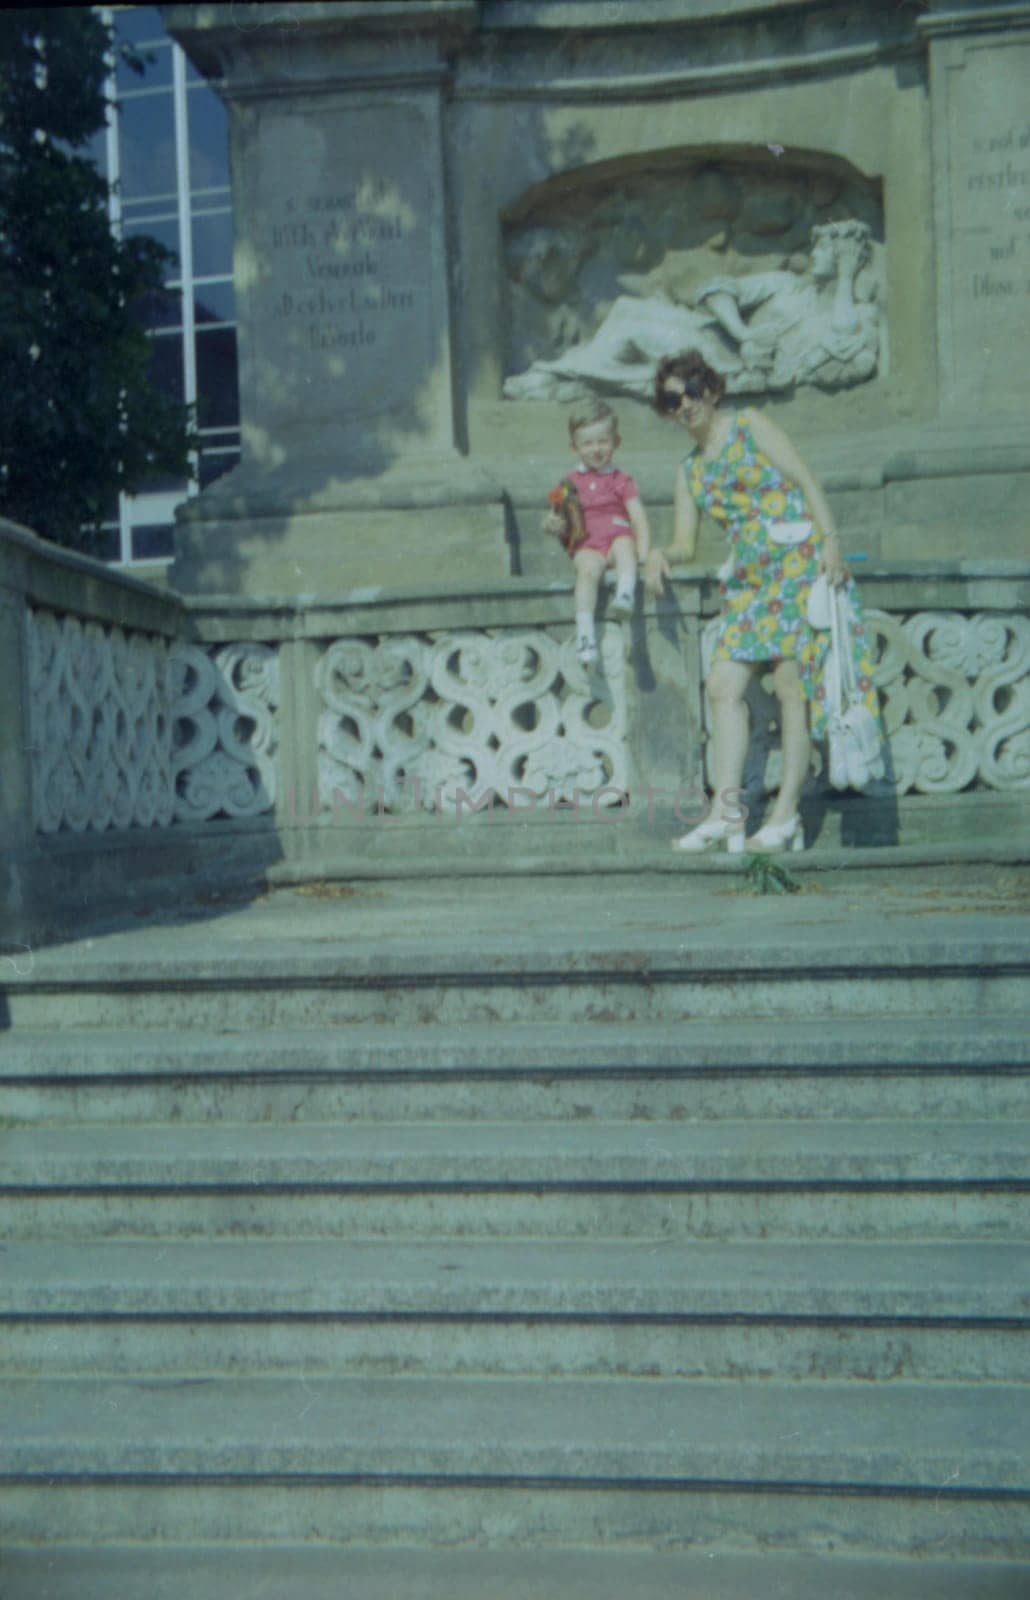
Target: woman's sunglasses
[671,399]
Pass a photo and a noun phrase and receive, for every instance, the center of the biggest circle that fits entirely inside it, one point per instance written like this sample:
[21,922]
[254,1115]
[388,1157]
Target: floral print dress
[764,584]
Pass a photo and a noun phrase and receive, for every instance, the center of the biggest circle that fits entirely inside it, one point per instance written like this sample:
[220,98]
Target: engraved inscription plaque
[343,309]
[985,289]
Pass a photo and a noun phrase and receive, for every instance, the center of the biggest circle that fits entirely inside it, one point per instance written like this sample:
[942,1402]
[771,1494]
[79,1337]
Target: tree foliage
[79,417]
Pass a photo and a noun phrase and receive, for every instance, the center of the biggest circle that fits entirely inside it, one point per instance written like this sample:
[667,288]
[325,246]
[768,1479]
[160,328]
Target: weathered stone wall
[432,197]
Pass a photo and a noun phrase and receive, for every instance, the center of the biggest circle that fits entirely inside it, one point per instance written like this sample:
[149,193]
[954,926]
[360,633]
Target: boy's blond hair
[587,413]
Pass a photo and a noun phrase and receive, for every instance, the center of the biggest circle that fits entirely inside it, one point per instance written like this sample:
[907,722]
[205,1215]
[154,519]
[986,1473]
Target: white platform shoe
[710,835]
[779,836]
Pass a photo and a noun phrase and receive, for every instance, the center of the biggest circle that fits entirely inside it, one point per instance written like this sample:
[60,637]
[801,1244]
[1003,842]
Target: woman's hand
[656,571]
[831,562]
[554,524]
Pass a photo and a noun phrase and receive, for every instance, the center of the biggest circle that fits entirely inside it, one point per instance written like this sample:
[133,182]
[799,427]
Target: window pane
[212,466]
[157,69]
[212,243]
[166,365]
[136,24]
[165,230]
[162,309]
[209,140]
[152,541]
[215,302]
[147,130]
[218,401]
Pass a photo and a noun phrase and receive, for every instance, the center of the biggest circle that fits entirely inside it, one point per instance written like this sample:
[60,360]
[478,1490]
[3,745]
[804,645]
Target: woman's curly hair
[689,366]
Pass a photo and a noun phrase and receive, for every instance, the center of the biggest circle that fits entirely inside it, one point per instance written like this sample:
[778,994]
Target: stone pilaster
[979,71]
[352,409]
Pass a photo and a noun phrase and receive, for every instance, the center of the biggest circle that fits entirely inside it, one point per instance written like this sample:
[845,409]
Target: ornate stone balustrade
[224,715]
[173,732]
[408,721]
[955,691]
[130,730]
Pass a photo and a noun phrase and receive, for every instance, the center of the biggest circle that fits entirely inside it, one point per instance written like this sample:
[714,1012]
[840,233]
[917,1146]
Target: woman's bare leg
[727,685]
[795,744]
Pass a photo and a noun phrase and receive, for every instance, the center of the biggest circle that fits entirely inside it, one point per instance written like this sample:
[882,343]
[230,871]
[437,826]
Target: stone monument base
[427,524]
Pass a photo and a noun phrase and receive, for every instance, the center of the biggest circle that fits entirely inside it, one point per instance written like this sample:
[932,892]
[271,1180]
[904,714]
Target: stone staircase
[467,1270]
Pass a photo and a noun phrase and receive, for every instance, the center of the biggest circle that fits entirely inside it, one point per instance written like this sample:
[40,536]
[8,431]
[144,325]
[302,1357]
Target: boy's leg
[624,558]
[589,565]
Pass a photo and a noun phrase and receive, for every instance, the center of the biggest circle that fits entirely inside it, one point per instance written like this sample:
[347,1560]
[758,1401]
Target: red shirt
[603,496]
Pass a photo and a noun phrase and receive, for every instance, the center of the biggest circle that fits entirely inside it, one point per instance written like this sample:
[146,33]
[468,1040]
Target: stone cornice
[563,15]
[660,49]
[358,16]
[254,50]
[659,85]
[984,18]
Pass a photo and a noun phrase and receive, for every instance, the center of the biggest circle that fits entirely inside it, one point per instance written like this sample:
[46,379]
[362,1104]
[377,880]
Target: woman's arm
[684,537]
[774,443]
[641,527]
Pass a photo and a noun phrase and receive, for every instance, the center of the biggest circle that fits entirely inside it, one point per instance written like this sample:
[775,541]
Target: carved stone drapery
[955,697]
[408,720]
[129,731]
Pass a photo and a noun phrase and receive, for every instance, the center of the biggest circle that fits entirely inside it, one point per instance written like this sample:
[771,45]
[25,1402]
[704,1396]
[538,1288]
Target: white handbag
[790,532]
[853,733]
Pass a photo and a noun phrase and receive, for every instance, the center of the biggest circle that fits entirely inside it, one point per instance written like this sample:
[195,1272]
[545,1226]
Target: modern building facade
[165,155]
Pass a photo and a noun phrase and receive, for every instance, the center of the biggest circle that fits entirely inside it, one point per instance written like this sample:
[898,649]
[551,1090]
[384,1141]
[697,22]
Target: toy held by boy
[597,514]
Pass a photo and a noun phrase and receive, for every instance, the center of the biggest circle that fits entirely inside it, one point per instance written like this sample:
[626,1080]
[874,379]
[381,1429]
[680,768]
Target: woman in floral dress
[750,479]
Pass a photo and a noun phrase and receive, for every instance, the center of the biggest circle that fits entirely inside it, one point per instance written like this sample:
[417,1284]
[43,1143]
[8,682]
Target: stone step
[982,1526]
[188,1346]
[303,1572]
[748,1178]
[659,1450]
[240,989]
[964,1066]
[979,1211]
[950,1283]
[533,1155]
[788,1310]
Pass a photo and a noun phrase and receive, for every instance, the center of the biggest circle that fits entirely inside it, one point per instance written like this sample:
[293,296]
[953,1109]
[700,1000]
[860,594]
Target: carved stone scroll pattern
[101,730]
[226,730]
[955,697]
[129,731]
[408,720]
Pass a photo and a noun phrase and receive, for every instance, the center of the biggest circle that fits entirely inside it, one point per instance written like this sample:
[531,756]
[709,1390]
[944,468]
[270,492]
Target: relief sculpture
[774,275]
[764,330]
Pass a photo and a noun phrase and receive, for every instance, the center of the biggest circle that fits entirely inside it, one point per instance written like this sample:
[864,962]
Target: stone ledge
[315,1571]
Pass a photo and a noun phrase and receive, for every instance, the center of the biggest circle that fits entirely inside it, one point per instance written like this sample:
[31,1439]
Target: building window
[166,155]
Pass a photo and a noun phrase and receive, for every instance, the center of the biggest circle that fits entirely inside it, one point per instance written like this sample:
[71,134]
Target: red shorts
[603,538]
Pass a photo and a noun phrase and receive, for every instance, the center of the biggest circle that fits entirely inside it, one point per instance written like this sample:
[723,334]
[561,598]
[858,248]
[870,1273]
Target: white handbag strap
[834,677]
[847,683]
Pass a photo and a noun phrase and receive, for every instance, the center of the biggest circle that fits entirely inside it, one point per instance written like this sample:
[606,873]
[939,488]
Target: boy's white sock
[585,625]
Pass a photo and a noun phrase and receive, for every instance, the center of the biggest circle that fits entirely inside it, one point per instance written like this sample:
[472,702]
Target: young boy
[617,532]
